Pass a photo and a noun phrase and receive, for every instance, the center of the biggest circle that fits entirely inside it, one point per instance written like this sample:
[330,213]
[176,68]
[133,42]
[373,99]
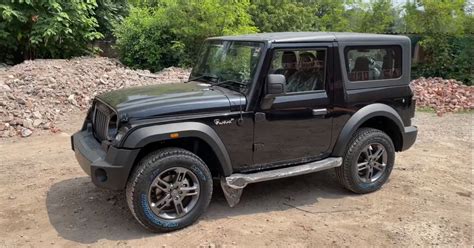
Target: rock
[37,122]
[4,88]
[21,101]
[25,132]
[28,123]
[37,115]
[71,99]
[47,125]
[5,134]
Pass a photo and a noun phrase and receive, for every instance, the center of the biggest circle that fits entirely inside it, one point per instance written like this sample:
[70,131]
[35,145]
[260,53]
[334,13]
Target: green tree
[299,15]
[171,33]
[379,17]
[330,15]
[145,40]
[442,24]
[282,17]
[53,28]
[195,20]
[435,17]
[109,13]
[144,3]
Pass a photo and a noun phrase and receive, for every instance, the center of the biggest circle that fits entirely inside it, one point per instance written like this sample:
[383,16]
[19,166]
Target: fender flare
[143,136]
[362,115]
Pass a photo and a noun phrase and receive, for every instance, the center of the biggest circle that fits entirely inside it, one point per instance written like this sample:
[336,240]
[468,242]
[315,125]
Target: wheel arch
[188,135]
[379,116]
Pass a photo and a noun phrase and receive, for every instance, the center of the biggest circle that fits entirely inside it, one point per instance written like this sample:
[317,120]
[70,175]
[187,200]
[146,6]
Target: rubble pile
[37,94]
[443,95]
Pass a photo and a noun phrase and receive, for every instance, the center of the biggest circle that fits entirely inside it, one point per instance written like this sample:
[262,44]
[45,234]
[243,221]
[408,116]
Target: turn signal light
[174,135]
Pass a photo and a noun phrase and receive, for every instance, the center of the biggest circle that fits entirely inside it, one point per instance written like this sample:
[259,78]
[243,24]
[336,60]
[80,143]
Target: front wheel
[368,161]
[169,190]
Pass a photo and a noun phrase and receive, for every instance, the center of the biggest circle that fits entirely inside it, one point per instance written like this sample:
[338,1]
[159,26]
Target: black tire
[151,167]
[348,173]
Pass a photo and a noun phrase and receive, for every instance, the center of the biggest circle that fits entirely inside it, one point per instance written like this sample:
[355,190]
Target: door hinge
[259,116]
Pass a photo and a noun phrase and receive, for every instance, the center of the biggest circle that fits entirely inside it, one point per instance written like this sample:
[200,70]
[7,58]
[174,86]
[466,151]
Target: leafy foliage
[55,28]
[443,25]
[303,15]
[145,40]
[46,28]
[379,17]
[144,3]
[286,16]
[172,32]
[160,33]
[109,13]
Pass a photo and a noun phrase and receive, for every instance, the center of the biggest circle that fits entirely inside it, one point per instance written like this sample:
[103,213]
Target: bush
[172,32]
[443,25]
[46,29]
[447,57]
[145,40]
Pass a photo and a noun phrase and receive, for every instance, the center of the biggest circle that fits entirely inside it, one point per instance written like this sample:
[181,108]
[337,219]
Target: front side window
[373,63]
[304,70]
[234,62]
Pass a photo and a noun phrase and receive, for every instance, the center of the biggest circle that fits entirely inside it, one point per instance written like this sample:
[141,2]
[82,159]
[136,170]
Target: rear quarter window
[366,63]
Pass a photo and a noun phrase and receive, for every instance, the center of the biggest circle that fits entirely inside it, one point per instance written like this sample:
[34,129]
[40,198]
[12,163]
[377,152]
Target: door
[297,127]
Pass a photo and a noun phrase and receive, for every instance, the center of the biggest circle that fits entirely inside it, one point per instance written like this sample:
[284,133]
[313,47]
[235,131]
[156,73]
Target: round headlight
[120,134]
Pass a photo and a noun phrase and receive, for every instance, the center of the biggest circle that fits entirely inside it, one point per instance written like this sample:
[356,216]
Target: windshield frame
[228,43]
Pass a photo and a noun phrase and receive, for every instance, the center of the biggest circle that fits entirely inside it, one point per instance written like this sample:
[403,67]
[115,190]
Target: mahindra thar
[256,107]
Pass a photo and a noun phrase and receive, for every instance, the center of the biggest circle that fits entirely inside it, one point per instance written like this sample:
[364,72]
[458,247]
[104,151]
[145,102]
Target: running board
[234,184]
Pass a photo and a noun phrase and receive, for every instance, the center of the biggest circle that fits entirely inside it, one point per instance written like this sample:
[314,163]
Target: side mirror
[275,86]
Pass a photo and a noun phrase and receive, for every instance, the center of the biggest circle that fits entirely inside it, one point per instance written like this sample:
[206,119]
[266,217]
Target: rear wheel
[169,190]
[368,161]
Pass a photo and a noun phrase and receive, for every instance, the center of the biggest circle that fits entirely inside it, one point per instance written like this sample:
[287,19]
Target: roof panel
[310,36]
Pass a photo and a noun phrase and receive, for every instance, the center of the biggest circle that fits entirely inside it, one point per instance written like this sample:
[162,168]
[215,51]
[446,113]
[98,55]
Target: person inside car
[288,62]
[309,74]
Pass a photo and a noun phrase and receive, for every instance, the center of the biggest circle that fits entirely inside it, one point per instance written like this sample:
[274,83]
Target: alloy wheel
[174,193]
[372,162]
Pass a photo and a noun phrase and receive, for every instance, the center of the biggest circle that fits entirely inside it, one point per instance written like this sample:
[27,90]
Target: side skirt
[234,184]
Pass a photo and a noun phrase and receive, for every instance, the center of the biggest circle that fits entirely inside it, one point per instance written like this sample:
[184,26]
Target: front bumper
[107,169]
[409,137]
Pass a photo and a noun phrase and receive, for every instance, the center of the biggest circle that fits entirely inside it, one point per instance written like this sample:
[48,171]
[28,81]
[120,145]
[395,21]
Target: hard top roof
[311,36]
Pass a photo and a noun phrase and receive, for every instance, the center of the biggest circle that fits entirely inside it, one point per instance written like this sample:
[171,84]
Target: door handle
[322,111]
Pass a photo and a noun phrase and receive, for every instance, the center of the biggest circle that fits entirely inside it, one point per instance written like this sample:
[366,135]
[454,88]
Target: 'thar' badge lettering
[223,122]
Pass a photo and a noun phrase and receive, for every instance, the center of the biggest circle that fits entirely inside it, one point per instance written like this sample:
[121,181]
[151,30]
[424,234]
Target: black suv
[257,107]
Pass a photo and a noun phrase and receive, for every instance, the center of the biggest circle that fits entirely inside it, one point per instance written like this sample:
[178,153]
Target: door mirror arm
[275,86]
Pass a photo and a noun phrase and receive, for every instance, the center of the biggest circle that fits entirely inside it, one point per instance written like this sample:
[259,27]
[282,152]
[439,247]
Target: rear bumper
[409,137]
[107,169]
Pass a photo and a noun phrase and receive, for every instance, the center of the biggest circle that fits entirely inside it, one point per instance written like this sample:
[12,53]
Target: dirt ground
[46,200]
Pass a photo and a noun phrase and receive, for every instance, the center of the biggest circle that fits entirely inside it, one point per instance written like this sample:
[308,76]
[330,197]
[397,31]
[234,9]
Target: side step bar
[234,184]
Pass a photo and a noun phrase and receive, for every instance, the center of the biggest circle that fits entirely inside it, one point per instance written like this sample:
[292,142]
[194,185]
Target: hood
[171,99]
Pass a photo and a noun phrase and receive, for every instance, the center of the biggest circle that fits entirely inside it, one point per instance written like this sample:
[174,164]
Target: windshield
[228,63]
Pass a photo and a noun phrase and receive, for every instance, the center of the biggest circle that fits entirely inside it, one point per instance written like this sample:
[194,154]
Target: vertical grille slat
[101,121]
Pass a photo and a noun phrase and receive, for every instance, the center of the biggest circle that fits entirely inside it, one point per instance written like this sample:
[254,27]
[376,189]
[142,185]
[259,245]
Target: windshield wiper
[239,83]
[213,77]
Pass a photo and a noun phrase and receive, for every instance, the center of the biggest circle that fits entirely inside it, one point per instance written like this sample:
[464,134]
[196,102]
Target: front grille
[100,123]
